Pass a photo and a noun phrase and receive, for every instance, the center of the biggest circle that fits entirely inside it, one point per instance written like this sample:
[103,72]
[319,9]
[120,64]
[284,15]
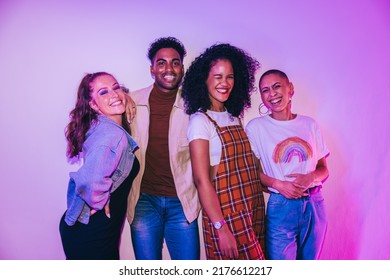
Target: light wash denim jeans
[295,228]
[159,217]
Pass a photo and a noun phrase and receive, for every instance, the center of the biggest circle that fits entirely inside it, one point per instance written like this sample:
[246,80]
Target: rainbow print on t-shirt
[292,147]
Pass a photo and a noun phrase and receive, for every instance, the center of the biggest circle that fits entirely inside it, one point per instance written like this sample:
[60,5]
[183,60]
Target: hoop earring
[262,110]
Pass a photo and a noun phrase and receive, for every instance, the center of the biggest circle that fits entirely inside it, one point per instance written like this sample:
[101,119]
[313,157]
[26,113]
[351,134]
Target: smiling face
[276,92]
[167,69]
[108,98]
[220,83]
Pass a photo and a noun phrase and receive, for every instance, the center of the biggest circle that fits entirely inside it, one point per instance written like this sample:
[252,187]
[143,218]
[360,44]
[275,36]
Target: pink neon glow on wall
[335,52]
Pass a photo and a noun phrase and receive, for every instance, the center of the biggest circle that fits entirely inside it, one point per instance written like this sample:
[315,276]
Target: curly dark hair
[194,88]
[166,42]
[82,116]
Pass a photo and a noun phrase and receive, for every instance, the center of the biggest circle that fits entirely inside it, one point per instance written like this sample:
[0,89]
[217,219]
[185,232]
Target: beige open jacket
[179,157]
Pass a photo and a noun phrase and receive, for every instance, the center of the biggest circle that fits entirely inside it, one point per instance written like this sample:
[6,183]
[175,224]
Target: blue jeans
[295,228]
[159,217]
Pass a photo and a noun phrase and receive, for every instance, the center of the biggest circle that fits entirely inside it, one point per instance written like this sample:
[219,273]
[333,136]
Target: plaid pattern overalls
[238,188]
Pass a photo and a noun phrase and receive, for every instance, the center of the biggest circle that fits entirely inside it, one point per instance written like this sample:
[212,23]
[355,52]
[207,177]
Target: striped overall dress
[238,188]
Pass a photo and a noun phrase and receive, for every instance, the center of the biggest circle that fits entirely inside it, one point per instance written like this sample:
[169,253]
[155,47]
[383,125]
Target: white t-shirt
[286,147]
[200,127]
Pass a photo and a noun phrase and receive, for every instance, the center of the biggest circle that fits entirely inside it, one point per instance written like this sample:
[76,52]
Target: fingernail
[109,216]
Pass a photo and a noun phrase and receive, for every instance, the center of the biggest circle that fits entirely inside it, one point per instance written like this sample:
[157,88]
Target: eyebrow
[116,83]
[267,87]
[271,85]
[263,88]
[163,59]
[102,88]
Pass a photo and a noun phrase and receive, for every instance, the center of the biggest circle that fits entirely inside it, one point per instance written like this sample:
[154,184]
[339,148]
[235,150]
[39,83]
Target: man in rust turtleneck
[163,202]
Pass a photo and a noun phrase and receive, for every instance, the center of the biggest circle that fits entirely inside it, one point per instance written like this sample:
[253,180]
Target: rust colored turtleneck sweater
[157,179]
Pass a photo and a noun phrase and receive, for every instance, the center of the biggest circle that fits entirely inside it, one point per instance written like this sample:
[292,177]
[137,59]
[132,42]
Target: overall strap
[211,120]
[215,123]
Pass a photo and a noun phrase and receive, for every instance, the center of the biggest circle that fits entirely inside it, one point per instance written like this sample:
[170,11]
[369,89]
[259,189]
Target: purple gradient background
[335,52]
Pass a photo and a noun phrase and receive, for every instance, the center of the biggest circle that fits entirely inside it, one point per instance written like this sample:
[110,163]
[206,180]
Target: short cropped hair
[166,42]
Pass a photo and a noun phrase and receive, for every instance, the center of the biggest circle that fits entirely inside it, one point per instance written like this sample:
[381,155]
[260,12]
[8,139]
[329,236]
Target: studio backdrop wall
[335,52]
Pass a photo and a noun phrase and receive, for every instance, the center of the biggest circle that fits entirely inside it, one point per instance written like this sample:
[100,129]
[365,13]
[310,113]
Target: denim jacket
[108,154]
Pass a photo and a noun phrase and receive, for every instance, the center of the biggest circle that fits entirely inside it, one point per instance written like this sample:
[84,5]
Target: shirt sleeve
[249,129]
[93,180]
[198,128]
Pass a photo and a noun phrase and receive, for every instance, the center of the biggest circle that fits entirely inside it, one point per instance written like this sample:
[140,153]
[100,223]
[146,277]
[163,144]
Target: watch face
[217,225]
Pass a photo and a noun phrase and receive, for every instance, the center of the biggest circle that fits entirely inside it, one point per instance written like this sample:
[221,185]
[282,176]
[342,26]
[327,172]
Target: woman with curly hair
[216,90]
[97,193]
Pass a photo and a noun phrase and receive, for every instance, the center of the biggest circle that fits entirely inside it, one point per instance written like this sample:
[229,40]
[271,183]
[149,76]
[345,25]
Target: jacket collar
[179,102]
[144,99]
[104,119]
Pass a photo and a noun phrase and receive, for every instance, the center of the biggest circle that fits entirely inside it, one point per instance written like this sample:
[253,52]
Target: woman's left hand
[131,109]
[305,181]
